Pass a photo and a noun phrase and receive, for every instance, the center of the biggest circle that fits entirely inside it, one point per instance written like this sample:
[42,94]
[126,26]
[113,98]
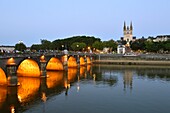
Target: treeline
[75,43]
[151,46]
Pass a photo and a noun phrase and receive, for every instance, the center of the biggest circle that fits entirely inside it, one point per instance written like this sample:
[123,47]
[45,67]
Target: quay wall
[149,59]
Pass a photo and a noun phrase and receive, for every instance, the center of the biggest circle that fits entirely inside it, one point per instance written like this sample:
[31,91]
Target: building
[128,33]
[7,49]
[162,38]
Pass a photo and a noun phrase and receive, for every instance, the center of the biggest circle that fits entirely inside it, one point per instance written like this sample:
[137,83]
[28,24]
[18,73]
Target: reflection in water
[3,79]
[72,62]
[28,68]
[72,72]
[54,64]
[82,71]
[41,91]
[28,88]
[55,78]
[3,94]
[128,79]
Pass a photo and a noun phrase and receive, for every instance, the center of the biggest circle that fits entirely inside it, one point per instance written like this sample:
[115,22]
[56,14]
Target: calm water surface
[91,89]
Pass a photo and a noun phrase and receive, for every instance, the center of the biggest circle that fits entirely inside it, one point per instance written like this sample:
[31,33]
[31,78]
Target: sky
[32,20]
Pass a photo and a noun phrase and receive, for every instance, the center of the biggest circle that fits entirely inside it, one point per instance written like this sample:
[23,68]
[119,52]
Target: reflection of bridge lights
[12,109]
[44,98]
[19,98]
[78,87]
[94,77]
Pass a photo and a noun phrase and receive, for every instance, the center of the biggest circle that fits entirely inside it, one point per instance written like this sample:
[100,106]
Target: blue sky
[32,20]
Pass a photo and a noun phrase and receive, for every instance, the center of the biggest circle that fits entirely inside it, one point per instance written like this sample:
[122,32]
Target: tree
[36,47]
[110,44]
[76,46]
[98,45]
[45,44]
[20,46]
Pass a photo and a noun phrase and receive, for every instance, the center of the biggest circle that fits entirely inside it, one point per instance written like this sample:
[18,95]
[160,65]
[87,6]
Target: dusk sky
[32,20]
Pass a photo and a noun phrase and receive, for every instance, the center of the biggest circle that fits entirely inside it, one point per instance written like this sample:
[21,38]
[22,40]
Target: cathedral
[128,34]
[128,37]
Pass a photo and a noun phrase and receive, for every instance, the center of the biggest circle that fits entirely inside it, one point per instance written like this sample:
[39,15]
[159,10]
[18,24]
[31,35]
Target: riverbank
[133,62]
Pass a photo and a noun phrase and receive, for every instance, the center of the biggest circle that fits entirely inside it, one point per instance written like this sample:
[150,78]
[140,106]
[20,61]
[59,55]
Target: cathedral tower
[128,33]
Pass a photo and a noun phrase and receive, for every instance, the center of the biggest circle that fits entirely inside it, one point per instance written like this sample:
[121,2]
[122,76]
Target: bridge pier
[12,79]
[43,68]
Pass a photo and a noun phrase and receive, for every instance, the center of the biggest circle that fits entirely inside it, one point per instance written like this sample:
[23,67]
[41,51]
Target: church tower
[128,33]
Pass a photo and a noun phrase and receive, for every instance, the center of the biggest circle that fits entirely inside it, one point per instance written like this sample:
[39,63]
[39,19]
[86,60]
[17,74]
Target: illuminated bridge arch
[88,60]
[72,62]
[3,78]
[54,64]
[82,62]
[28,67]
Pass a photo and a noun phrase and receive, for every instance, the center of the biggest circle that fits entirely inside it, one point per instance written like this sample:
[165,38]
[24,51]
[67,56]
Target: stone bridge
[35,65]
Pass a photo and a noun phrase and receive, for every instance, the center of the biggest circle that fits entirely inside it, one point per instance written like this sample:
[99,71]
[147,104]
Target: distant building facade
[162,38]
[7,49]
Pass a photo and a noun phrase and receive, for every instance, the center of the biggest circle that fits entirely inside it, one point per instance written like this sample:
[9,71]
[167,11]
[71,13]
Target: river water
[91,89]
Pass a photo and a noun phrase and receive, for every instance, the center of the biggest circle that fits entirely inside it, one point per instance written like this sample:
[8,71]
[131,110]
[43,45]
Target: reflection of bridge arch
[3,79]
[28,67]
[72,62]
[54,64]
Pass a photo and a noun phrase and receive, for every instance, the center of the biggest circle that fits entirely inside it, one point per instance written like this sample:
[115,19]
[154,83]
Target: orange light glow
[82,71]
[12,109]
[3,79]
[88,68]
[82,62]
[29,68]
[88,60]
[28,87]
[55,78]
[44,97]
[11,61]
[72,62]
[71,74]
[54,64]
[3,94]
[42,58]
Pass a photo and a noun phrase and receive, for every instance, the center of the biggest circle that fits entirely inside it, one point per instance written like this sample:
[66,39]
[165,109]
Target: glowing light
[54,64]
[82,71]
[72,62]
[12,109]
[29,87]
[3,94]
[55,78]
[11,61]
[88,60]
[71,74]
[3,79]
[29,68]
[94,77]
[42,58]
[82,62]
[44,98]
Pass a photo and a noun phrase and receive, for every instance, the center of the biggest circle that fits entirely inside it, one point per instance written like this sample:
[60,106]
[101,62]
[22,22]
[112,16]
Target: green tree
[110,44]
[45,44]
[36,47]
[98,45]
[77,46]
[20,46]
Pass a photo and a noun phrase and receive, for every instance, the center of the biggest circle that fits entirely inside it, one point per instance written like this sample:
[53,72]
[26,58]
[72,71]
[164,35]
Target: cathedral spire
[124,28]
[131,27]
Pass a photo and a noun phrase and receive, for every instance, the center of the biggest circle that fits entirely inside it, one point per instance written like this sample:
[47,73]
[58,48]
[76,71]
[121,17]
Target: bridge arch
[88,60]
[3,78]
[72,62]
[28,67]
[54,64]
[82,61]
